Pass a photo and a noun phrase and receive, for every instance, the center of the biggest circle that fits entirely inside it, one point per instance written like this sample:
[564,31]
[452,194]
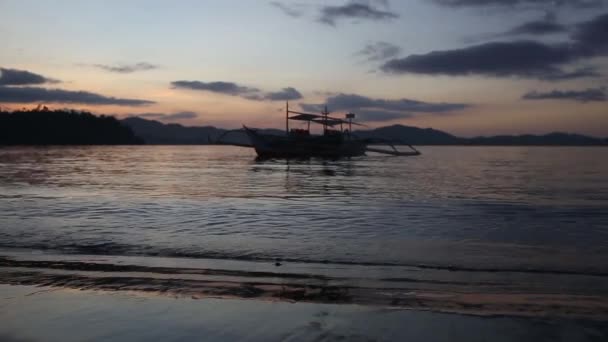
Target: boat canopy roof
[321,119]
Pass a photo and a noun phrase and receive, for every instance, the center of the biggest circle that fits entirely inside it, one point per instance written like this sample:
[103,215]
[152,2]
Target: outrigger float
[299,143]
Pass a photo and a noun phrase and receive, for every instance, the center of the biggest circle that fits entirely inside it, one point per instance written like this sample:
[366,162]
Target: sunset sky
[469,67]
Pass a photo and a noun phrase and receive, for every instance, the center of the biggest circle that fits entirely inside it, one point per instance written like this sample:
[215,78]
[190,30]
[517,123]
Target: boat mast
[325,113]
[350,117]
[287,117]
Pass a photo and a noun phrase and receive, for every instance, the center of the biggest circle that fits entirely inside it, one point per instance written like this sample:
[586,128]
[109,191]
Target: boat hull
[270,146]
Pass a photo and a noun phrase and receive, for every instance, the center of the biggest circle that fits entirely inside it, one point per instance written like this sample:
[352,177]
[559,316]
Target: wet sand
[30,314]
[481,294]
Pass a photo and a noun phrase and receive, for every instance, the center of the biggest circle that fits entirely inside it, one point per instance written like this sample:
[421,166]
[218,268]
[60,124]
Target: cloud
[173,116]
[590,36]
[569,75]
[228,88]
[325,93]
[379,51]
[523,58]
[285,94]
[518,58]
[372,10]
[371,109]
[587,95]
[292,10]
[544,26]
[368,10]
[233,89]
[14,77]
[36,94]
[350,101]
[576,4]
[127,68]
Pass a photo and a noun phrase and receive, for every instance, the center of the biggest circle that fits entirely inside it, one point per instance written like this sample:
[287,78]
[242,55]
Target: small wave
[180,282]
[110,248]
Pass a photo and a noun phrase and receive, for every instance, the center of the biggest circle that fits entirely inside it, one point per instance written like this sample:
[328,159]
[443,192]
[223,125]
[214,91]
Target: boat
[337,139]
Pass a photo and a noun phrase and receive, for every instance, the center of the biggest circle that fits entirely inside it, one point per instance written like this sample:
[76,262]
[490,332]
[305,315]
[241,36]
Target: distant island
[154,132]
[42,126]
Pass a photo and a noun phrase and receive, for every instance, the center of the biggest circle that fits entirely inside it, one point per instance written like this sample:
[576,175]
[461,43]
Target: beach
[50,314]
[482,293]
[207,243]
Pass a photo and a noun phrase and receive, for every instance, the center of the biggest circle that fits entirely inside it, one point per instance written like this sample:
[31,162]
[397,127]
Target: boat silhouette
[336,141]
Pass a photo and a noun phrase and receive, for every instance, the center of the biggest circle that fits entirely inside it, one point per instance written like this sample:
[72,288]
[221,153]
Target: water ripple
[470,206]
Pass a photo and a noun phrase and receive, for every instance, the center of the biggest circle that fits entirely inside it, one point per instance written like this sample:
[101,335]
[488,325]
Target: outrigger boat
[300,143]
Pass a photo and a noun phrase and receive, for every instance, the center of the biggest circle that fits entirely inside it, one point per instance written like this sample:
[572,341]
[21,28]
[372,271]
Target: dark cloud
[173,116]
[127,68]
[580,4]
[228,88]
[587,95]
[373,10]
[371,109]
[231,88]
[352,101]
[379,51]
[36,94]
[14,77]
[368,10]
[591,36]
[544,26]
[570,75]
[524,58]
[325,93]
[285,94]
[292,10]
[518,58]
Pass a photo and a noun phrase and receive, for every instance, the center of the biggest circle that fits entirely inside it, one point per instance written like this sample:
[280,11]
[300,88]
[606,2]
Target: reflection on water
[87,316]
[505,206]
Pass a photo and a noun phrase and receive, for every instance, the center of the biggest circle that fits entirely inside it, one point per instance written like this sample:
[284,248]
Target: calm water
[498,207]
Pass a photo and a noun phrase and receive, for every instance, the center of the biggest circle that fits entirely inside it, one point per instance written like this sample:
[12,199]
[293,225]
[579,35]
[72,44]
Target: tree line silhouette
[42,126]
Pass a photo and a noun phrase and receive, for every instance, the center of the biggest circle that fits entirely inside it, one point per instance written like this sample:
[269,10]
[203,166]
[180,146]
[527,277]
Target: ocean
[479,219]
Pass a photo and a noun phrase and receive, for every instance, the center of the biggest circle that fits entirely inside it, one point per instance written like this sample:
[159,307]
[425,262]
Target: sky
[468,67]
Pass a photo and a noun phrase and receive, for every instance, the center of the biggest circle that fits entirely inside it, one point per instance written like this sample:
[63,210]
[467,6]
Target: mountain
[553,139]
[154,132]
[429,136]
[411,135]
[41,126]
[158,133]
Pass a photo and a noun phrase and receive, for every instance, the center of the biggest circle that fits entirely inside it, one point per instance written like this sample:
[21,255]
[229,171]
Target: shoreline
[31,314]
[428,290]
